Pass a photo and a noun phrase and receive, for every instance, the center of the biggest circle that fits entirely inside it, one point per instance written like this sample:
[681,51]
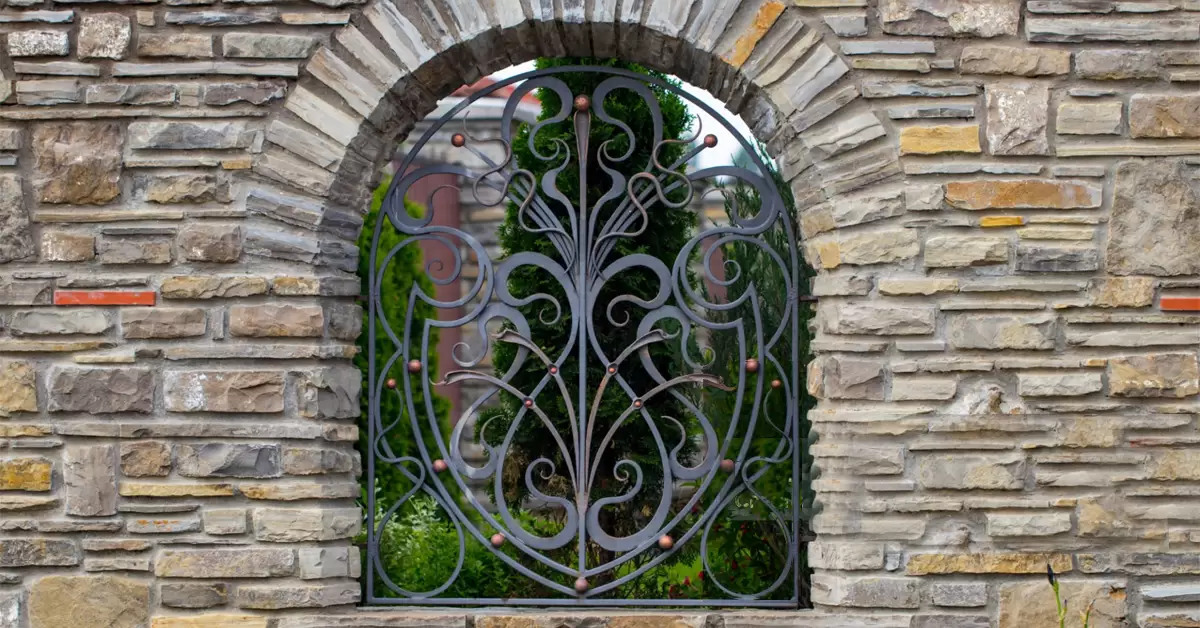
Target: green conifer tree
[404,270]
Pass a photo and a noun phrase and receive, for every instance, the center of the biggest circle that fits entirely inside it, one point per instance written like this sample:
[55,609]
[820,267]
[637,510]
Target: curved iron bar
[583,245]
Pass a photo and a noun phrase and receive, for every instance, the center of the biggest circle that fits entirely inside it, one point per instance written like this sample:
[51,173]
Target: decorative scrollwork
[578,560]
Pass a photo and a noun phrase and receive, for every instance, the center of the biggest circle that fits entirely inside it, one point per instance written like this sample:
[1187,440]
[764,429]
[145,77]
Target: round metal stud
[497,540]
[710,140]
[728,465]
[391,383]
[582,103]
[581,585]
[553,370]
[414,366]
[751,365]
[665,542]
[458,140]
[637,403]
[528,403]
[776,383]
[612,368]
[440,465]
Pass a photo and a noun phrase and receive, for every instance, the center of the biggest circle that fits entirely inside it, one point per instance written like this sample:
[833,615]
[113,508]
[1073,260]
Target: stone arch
[771,64]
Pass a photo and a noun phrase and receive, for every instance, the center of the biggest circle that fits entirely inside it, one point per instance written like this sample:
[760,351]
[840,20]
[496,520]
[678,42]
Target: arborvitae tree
[404,270]
[665,235]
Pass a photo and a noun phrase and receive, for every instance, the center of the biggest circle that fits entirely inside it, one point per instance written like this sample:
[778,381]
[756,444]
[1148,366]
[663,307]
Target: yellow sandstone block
[933,140]
[144,489]
[994,562]
[1001,221]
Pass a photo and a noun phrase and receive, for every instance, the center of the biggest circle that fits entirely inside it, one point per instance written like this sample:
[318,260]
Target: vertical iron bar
[582,132]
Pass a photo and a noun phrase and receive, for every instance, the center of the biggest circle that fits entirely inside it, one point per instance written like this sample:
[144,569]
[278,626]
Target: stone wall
[1002,197]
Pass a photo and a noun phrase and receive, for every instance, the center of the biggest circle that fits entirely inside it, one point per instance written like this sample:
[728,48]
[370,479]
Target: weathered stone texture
[217,460]
[288,525]
[101,390]
[965,472]
[1002,332]
[104,36]
[25,474]
[1107,601]
[77,162]
[1116,64]
[182,188]
[1022,194]
[57,323]
[220,244]
[59,246]
[225,563]
[223,391]
[62,601]
[193,595]
[163,322]
[276,320]
[329,393]
[18,388]
[90,476]
[145,458]
[1155,220]
[946,18]
[869,318]
[1016,60]
[1166,375]
[1152,115]
[135,250]
[1076,118]
[16,236]
[956,251]
[212,287]
[1017,115]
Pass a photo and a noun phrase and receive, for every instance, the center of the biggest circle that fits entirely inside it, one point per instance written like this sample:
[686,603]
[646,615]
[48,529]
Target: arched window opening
[585,350]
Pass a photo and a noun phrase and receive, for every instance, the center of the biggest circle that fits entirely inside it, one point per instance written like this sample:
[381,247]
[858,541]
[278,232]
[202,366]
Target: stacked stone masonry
[1002,197]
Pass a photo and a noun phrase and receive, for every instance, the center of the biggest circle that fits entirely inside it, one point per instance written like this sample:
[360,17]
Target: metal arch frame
[581,271]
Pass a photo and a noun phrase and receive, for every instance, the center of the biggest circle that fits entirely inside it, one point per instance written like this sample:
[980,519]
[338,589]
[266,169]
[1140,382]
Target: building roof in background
[502,93]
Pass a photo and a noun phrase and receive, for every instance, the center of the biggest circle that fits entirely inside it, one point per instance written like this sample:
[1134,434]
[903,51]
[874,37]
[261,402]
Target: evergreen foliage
[404,272]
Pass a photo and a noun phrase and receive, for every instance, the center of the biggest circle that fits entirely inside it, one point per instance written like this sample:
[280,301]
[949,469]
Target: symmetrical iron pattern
[724,468]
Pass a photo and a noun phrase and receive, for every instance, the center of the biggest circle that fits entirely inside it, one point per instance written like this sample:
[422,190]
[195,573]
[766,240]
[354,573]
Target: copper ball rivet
[776,383]
[528,403]
[665,542]
[414,366]
[751,365]
[458,140]
[553,370]
[440,465]
[637,403]
[612,369]
[497,540]
[583,103]
[727,465]
[710,140]
[391,383]
[581,585]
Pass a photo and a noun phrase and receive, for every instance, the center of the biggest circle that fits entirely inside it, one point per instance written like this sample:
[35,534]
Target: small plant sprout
[1062,607]
[1085,615]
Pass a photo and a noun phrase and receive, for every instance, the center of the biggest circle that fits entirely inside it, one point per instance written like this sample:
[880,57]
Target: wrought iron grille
[574,518]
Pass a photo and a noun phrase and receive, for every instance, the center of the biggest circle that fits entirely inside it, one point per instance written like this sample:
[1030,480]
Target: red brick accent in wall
[1180,304]
[104,297]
